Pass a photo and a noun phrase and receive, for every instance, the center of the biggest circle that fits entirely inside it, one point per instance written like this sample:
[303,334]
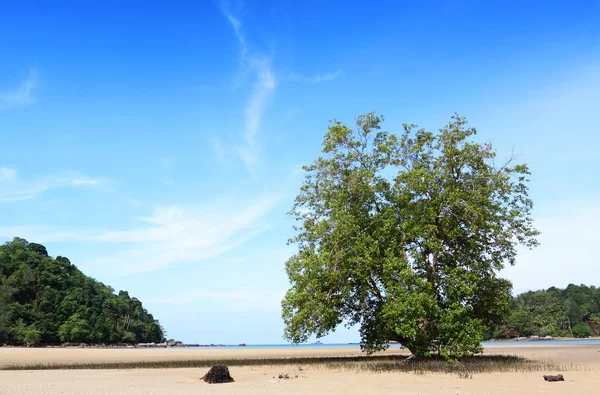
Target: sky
[159,146]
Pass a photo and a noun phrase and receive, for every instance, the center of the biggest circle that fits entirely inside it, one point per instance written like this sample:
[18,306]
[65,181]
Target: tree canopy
[45,300]
[404,236]
[570,312]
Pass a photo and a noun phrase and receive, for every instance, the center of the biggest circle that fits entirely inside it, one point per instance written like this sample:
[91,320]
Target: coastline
[181,345]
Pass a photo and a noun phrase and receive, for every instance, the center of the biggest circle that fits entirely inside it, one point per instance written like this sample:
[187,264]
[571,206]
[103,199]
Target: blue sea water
[485,344]
[570,342]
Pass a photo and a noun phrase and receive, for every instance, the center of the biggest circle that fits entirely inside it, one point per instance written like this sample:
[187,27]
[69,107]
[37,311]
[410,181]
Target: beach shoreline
[72,355]
[579,363]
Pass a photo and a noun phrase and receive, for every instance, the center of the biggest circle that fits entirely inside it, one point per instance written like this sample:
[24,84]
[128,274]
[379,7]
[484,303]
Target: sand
[62,355]
[583,375]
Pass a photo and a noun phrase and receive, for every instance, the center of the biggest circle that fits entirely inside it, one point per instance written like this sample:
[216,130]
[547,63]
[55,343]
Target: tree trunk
[414,350]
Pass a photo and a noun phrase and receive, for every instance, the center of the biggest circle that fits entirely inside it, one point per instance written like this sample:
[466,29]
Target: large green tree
[404,236]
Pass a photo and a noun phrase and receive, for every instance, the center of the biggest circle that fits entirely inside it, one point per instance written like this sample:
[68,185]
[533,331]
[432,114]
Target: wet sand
[582,375]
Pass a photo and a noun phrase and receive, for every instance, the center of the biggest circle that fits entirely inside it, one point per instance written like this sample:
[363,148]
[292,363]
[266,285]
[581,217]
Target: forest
[570,312]
[46,301]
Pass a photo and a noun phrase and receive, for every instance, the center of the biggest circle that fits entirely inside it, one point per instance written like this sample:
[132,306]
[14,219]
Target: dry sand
[69,355]
[583,375]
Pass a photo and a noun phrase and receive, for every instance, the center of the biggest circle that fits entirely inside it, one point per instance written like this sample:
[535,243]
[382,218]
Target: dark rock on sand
[558,377]
[218,374]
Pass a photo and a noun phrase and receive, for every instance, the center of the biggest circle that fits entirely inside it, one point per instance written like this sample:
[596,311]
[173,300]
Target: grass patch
[466,368]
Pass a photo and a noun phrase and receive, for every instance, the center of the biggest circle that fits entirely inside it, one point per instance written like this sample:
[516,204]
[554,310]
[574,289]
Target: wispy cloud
[259,65]
[20,96]
[236,24]
[315,79]
[7,174]
[19,190]
[182,234]
[170,235]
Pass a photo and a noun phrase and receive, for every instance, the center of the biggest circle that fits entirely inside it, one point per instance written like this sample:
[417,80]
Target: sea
[507,343]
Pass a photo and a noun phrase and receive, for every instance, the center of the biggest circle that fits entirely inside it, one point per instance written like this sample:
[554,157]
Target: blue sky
[159,146]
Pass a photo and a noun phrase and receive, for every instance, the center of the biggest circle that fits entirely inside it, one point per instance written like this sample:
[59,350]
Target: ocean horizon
[502,343]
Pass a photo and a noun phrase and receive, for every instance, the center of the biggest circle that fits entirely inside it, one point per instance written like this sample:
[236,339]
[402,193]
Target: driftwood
[218,374]
[558,377]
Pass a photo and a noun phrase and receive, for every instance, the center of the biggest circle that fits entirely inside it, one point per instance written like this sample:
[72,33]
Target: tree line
[45,300]
[570,312]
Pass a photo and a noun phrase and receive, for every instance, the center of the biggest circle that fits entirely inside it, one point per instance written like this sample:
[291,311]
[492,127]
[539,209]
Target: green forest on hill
[570,312]
[45,300]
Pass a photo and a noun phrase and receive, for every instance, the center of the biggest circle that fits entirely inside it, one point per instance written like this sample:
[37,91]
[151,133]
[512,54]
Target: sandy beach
[582,374]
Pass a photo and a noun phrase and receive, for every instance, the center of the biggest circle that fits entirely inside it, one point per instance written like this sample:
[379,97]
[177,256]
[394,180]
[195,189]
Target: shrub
[582,329]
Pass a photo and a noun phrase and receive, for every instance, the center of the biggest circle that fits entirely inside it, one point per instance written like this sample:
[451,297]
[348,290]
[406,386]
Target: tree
[75,329]
[25,334]
[404,236]
[128,337]
[521,322]
[572,314]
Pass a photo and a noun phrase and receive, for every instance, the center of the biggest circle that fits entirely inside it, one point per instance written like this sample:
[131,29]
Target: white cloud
[327,77]
[265,83]
[569,234]
[317,78]
[24,190]
[171,235]
[22,95]
[237,28]
[7,174]
[177,234]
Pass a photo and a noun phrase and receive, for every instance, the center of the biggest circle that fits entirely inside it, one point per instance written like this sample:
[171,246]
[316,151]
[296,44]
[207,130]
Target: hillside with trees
[45,300]
[570,312]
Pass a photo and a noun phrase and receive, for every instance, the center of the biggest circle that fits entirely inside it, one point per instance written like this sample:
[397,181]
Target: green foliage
[46,301]
[521,322]
[404,236]
[25,334]
[5,311]
[75,329]
[581,329]
[556,312]
[128,337]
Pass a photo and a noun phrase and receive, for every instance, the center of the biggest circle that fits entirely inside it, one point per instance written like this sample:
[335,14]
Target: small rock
[558,377]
